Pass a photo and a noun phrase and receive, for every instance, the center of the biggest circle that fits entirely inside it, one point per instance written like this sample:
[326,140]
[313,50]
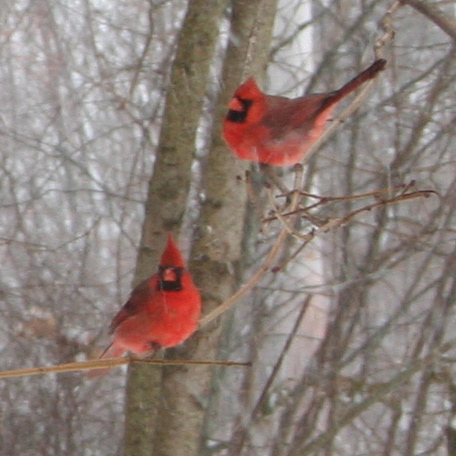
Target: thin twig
[334,222]
[109,363]
[403,187]
[388,30]
[280,360]
[376,194]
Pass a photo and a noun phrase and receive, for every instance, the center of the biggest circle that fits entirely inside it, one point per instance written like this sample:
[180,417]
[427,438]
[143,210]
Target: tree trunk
[168,193]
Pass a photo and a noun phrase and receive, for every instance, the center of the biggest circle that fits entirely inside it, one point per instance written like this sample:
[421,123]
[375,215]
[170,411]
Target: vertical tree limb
[168,193]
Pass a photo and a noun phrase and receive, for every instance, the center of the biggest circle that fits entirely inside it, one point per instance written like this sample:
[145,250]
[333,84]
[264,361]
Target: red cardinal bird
[161,312]
[279,130]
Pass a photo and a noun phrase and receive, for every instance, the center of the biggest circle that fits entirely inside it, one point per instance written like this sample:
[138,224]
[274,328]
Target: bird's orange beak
[169,275]
[235,105]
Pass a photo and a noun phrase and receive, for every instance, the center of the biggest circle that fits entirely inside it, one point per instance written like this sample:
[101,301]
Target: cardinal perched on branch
[161,312]
[277,130]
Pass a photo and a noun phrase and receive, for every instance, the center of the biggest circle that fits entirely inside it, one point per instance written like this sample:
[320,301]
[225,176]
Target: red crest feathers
[171,255]
[249,90]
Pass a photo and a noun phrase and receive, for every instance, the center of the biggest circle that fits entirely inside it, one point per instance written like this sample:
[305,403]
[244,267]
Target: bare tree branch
[436,15]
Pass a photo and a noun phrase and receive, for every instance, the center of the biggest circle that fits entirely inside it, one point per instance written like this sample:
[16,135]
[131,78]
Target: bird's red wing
[287,115]
[304,113]
[137,301]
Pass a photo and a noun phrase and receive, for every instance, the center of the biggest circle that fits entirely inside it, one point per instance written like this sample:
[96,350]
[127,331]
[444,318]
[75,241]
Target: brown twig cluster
[323,224]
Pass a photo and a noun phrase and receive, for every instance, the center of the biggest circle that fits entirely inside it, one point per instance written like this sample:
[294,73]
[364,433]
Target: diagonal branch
[428,9]
[266,266]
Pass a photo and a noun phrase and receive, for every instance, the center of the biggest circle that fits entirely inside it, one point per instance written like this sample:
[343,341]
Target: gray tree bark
[167,196]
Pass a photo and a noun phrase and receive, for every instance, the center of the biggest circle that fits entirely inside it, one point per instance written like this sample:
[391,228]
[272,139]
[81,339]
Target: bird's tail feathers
[357,81]
[112,351]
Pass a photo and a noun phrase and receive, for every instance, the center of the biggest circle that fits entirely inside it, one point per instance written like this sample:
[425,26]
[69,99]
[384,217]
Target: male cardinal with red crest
[161,312]
[278,130]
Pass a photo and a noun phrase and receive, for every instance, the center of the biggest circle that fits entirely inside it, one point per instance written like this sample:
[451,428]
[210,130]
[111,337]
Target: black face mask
[170,278]
[239,116]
